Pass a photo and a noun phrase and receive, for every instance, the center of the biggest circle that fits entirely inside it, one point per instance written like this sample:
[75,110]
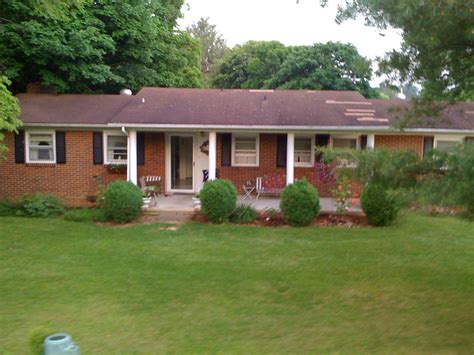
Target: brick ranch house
[70,142]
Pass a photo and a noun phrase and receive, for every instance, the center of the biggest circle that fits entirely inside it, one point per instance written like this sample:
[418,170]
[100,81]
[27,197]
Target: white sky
[288,22]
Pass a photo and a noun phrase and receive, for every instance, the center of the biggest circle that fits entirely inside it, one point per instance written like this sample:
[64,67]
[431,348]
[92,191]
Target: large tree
[213,46]
[9,111]
[99,46]
[271,65]
[329,66]
[250,66]
[438,42]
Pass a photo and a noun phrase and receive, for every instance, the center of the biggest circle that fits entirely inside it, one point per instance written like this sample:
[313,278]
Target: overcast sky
[288,22]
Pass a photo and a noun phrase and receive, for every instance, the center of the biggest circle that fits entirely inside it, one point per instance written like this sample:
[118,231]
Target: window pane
[245,143]
[303,144]
[116,148]
[117,142]
[41,154]
[41,140]
[345,143]
[303,150]
[446,145]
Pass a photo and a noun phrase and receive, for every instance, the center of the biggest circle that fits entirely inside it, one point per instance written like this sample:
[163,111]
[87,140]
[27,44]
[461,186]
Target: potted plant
[117,168]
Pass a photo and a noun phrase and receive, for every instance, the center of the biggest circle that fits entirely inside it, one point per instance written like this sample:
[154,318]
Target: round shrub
[299,203]
[218,200]
[122,201]
[379,207]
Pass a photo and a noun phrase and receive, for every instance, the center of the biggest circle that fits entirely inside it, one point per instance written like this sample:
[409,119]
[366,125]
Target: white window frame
[257,146]
[447,138]
[27,147]
[105,148]
[337,136]
[313,144]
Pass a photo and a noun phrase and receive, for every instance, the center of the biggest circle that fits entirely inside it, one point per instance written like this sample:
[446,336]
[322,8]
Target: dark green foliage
[100,46]
[299,203]
[39,205]
[8,209]
[123,201]
[391,168]
[437,43]
[271,65]
[244,214]
[86,215]
[325,66]
[250,66]
[9,111]
[380,207]
[218,200]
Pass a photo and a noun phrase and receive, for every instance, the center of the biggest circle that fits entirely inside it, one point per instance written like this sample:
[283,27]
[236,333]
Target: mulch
[324,220]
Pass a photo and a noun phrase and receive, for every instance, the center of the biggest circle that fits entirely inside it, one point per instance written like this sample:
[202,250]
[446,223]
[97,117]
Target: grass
[407,288]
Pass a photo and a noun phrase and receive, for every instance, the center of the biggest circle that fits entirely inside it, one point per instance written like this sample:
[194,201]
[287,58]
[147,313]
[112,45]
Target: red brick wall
[74,181]
[414,143]
[267,166]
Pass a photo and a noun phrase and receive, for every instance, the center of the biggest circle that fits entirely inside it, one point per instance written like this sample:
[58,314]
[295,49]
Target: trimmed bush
[122,201]
[85,215]
[299,203]
[380,207]
[218,200]
[7,209]
[40,205]
[244,214]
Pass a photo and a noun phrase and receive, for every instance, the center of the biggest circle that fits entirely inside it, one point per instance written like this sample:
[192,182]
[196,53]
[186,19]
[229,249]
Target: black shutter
[428,143]
[282,142]
[322,140]
[60,147]
[226,151]
[363,142]
[97,143]
[20,147]
[141,148]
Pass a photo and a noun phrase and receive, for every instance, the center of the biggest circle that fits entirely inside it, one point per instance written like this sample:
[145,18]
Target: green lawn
[407,288]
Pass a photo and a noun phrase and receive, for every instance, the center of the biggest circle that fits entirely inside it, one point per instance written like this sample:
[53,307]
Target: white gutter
[224,128]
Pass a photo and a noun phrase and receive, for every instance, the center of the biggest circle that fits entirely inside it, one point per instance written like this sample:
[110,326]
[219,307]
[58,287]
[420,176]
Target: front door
[182,163]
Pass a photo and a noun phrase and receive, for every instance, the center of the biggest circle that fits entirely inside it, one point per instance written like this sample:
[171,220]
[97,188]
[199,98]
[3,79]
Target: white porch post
[290,158]
[132,170]
[370,141]
[212,155]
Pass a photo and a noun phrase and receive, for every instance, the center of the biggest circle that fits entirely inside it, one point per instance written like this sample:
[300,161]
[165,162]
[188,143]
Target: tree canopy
[9,111]
[213,45]
[438,42]
[97,46]
[272,65]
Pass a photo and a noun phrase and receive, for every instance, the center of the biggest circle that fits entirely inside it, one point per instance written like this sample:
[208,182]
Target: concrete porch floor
[184,203]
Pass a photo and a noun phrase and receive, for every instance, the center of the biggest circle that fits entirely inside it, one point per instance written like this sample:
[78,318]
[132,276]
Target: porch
[184,203]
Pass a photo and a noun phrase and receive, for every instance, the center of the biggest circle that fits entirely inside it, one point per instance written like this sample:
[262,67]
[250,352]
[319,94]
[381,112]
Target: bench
[270,185]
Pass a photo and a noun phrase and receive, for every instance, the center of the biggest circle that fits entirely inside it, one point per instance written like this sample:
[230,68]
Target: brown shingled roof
[244,108]
[70,109]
